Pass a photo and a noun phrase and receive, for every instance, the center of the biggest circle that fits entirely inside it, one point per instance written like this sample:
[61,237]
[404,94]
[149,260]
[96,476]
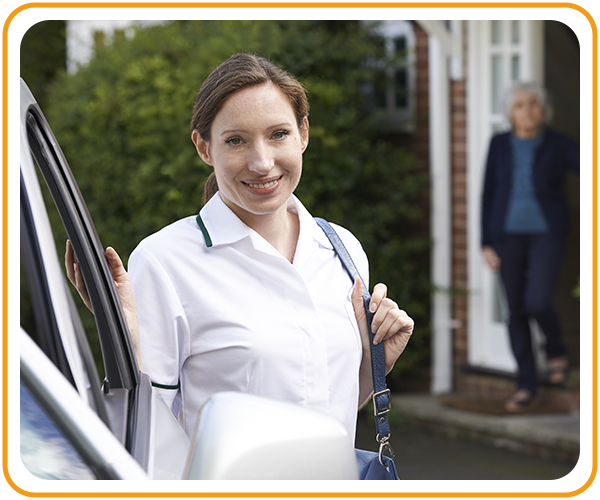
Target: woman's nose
[261,160]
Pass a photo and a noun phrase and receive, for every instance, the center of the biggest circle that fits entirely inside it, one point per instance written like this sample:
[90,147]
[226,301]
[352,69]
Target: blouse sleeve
[488,188]
[164,329]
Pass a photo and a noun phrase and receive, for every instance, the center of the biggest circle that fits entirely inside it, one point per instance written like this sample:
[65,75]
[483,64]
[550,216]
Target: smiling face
[255,148]
[526,114]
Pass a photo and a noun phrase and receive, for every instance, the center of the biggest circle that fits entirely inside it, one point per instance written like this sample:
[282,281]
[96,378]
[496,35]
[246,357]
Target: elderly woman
[524,229]
[249,295]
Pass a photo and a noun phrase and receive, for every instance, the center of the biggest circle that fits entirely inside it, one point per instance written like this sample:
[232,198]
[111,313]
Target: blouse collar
[220,226]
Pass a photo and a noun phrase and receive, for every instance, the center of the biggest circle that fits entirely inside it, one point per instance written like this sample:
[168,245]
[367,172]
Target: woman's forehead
[525,95]
[255,103]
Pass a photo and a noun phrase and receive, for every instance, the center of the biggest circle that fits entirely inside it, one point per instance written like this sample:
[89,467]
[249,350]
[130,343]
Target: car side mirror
[241,436]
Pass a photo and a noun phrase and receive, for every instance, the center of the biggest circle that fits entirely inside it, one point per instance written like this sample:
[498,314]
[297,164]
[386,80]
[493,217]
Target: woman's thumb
[114,262]
[357,292]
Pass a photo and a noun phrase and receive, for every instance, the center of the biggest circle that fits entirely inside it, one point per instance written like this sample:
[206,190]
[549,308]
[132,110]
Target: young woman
[249,295]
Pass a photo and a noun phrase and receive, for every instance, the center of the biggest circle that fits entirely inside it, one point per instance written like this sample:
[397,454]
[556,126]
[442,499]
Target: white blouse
[220,309]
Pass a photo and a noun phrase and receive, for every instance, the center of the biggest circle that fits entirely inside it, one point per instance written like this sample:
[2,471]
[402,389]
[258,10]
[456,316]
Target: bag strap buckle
[383,411]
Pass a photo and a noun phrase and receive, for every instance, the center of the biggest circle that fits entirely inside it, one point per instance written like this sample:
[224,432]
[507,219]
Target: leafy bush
[123,123]
[42,55]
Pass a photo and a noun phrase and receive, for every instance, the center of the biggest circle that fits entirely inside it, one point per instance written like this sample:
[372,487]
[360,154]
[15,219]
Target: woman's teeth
[263,186]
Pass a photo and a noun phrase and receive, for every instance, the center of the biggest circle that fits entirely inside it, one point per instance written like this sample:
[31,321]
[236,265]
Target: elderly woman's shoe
[558,369]
[521,400]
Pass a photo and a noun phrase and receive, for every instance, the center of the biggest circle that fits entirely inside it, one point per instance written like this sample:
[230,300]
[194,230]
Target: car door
[61,437]
[123,401]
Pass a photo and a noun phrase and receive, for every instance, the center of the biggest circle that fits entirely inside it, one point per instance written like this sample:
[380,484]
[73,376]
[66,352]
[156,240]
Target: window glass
[45,451]
[401,88]
[380,80]
[515,68]
[515,30]
[496,32]
[497,79]
[60,240]
[389,91]
[401,79]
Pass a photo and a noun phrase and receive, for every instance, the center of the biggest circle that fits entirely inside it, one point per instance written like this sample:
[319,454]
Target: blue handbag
[371,465]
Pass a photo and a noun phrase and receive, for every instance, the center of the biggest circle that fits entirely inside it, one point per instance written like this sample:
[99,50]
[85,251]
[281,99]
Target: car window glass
[45,451]
[60,238]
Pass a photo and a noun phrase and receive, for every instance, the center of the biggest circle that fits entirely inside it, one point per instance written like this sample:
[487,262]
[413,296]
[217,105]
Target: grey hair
[533,87]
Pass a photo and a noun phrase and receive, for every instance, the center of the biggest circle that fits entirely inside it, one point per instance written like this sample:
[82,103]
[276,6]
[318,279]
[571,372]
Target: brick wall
[458,162]
[420,138]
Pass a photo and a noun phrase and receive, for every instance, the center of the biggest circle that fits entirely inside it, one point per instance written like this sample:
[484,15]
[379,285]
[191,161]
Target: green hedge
[123,123]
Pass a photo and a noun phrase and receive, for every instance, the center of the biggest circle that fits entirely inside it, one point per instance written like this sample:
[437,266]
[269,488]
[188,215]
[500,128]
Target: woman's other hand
[491,258]
[391,325]
[122,284]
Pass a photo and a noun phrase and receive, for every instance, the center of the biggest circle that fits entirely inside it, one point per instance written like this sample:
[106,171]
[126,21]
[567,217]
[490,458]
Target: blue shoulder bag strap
[382,402]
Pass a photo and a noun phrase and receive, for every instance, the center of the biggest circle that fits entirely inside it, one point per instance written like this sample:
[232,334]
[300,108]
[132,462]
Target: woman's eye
[234,141]
[280,134]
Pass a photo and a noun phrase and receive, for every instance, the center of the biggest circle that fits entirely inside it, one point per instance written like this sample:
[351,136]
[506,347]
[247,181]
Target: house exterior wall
[458,146]
[420,139]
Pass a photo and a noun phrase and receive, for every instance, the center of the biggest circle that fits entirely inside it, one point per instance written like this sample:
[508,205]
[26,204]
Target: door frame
[488,345]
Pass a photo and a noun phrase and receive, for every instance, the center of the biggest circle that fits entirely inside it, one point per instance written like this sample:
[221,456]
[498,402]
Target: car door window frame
[126,392]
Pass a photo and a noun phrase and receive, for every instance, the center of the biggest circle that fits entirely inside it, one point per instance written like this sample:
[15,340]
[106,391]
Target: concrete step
[551,436]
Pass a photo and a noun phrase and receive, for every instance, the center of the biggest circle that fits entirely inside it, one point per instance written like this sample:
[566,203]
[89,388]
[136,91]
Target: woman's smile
[263,187]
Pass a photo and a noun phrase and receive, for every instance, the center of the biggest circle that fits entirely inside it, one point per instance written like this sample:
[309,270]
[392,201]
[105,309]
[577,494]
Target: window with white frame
[390,95]
[506,64]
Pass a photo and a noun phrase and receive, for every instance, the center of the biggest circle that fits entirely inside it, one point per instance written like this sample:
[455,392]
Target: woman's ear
[304,134]
[201,147]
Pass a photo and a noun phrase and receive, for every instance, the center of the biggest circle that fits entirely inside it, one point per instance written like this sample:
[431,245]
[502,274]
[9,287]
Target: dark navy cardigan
[553,158]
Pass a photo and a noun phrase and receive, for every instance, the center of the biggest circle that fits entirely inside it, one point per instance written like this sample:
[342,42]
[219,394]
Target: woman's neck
[281,229]
[528,133]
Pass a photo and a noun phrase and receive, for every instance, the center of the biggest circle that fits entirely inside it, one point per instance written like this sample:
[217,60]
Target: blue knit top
[524,214]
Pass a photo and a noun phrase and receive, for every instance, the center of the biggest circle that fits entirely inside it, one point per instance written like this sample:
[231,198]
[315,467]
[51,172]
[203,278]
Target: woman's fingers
[379,293]
[122,281]
[390,323]
[127,298]
[75,276]
[390,320]
[492,259]
[384,318]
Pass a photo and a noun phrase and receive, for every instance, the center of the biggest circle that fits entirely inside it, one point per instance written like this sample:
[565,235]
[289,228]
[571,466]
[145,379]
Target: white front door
[500,53]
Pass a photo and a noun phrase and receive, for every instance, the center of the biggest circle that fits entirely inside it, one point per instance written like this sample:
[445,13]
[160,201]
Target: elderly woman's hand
[491,258]
[391,325]
[122,283]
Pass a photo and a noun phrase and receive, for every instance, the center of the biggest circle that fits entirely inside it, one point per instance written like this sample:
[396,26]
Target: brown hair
[238,72]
